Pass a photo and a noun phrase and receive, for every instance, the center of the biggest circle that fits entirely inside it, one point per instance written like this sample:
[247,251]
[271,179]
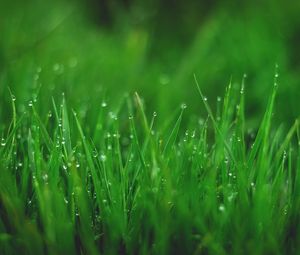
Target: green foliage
[90,166]
[133,187]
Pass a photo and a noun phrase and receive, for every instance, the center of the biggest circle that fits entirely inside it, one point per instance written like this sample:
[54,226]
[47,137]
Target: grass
[125,185]
[89,167]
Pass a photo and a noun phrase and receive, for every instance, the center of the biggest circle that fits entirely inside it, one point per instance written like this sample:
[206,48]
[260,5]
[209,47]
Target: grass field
[145,137]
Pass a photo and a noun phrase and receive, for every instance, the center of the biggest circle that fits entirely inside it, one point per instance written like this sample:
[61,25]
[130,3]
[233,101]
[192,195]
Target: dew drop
[3,142]
[221,208]
[95,153]
[104,104]
[193,134]
[226,161]
[183,106]
[45,177]
[103,157]
[284,155]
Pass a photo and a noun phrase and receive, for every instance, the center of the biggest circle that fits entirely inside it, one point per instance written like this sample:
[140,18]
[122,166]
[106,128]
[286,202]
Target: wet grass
[122,184]
[88,166]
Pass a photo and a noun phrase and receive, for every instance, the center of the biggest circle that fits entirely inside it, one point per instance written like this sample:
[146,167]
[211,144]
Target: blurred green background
[98,50]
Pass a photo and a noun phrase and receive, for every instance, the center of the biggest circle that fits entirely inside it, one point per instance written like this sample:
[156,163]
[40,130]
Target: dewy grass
[125,186]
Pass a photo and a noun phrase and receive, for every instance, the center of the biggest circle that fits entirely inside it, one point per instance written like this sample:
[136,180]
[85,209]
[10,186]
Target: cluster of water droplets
[113,116]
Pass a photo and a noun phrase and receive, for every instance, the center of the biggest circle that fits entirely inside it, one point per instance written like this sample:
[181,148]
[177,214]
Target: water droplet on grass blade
[242,90]
[66,200]
[45,177]
[104,104]
[116,135]
[103,157]
[3,142]
[284,155]
[95,153]
[193,134]
[183,106]
[222,208]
